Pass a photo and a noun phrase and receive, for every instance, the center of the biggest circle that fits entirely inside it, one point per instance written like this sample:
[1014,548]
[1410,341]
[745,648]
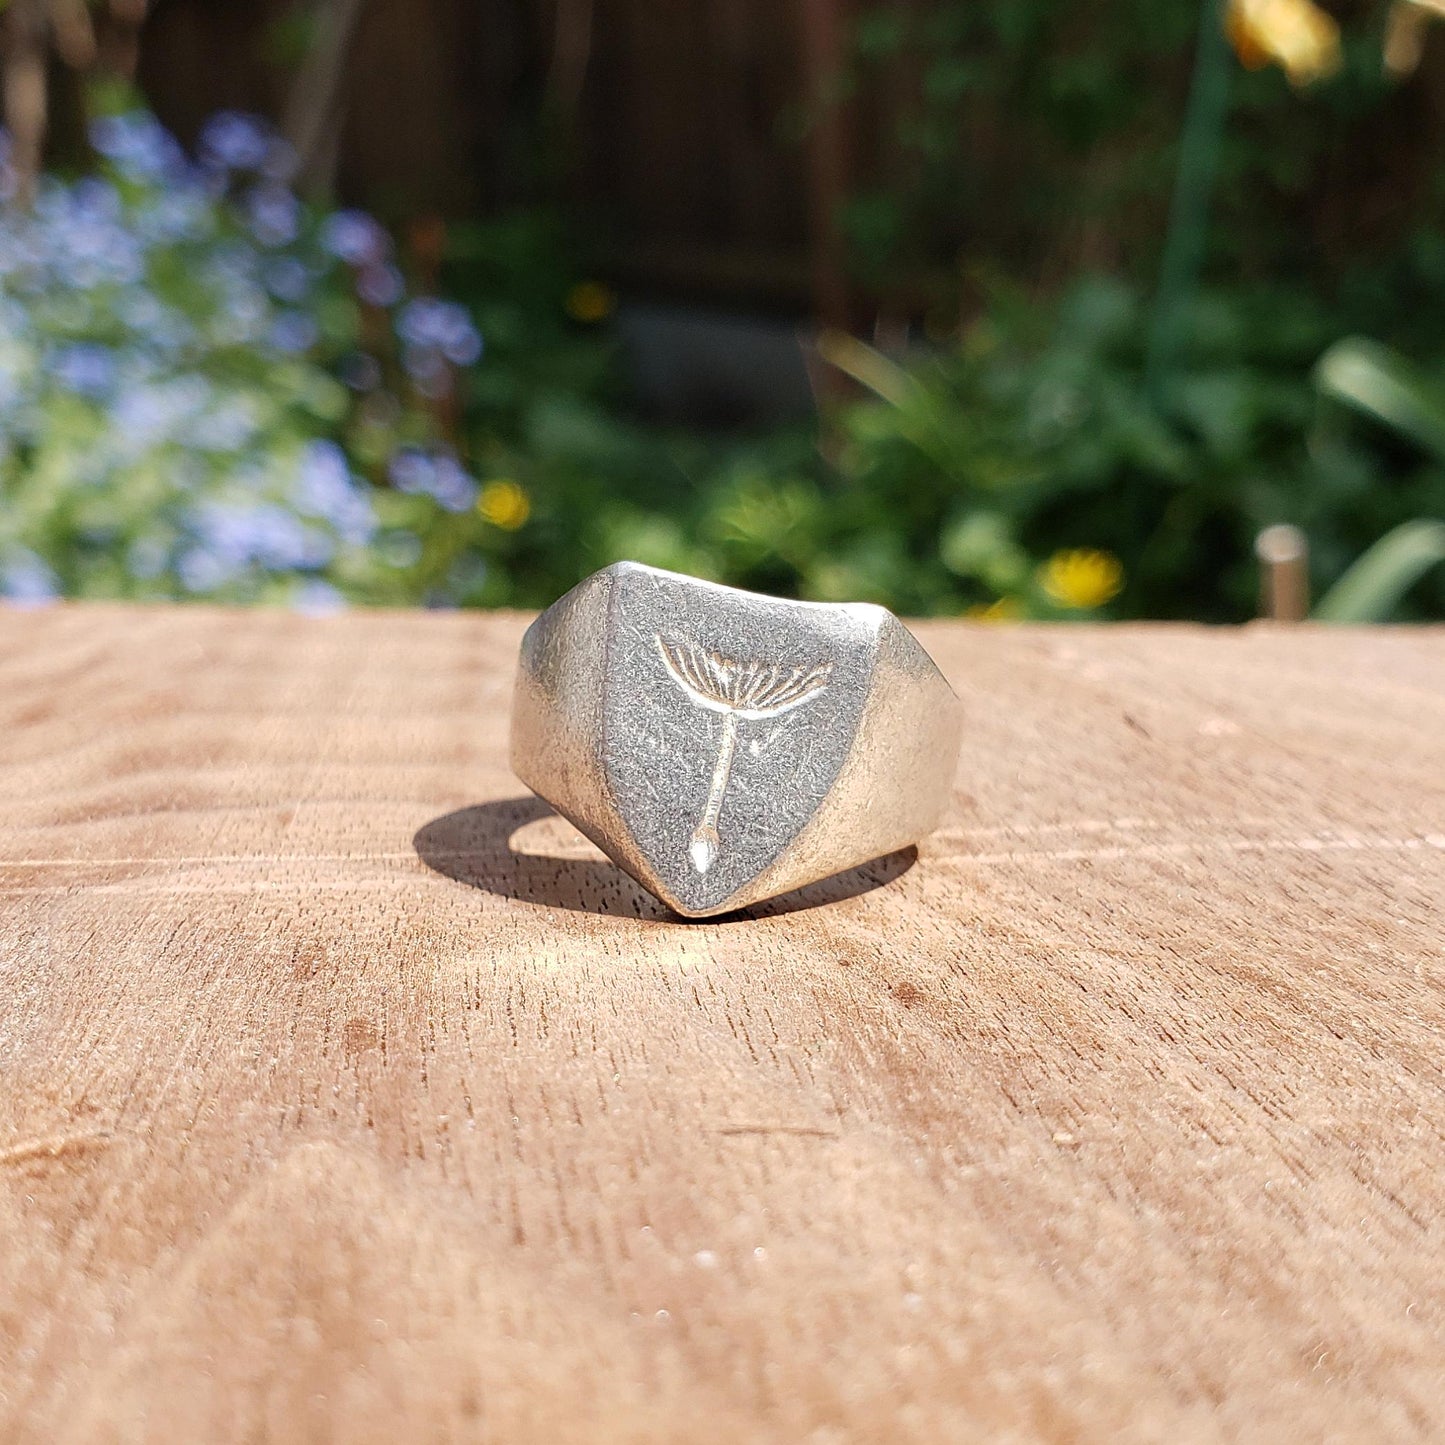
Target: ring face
[722,746]
[725,720]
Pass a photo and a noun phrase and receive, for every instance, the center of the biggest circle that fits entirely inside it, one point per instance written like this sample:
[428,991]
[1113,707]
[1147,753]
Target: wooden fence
[692,137]
[679,128]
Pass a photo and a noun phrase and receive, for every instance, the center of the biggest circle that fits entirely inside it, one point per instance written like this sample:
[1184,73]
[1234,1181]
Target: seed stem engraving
[737,690]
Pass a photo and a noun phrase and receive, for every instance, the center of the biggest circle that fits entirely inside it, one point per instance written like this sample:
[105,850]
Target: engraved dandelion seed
[737,690]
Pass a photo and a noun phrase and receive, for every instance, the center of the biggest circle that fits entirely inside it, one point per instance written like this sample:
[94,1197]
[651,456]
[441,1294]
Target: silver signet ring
[723,747]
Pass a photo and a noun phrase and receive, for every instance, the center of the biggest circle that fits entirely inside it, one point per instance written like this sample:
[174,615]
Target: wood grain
[350,1096]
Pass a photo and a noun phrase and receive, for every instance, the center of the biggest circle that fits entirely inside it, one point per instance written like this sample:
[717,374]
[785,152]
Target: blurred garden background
[999,308]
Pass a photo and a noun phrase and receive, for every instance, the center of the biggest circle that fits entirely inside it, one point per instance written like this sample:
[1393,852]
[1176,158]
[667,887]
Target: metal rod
[1284,579]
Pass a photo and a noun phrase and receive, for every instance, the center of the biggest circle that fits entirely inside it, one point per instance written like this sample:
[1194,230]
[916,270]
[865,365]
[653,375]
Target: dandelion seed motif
[737,690]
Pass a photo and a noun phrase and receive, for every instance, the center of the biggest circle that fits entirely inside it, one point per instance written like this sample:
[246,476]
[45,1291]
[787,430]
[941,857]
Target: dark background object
[825,155]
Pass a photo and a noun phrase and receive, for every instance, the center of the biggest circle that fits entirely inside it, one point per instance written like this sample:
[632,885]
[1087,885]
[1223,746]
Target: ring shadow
[474,846]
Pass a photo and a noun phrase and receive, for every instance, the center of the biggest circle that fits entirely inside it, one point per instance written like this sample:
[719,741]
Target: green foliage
[208,389]
[1008,472]
[1371,590]
[1382,385]
[1030,140]
[1034,435]
[206,386]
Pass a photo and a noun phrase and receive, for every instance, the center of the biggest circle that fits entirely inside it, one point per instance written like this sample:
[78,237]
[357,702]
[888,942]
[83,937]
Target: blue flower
[180,213]
[355,237]
[14,254]
[429,324]
[26,581]
[158,328]
[95,199]
[148,414]
[440,477]
[228,426]
[379,285]
[168,293]
[411,471]
[452,487]
[85,368]
[283,543]
[231,141]
[424,321]
[243,317]
[288,279]
[434,333]
[274,215]
[12,394]
[293,332]
[139,146]
[236,535]
[203,571]
[325,489]
[323,478]
[83,238]
[315,598]
[464,348]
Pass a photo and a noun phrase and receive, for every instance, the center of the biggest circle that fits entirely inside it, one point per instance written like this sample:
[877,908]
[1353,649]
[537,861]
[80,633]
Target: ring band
[724,747]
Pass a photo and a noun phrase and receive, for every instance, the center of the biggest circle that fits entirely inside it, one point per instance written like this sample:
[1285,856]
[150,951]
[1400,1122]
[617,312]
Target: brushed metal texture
[724,747]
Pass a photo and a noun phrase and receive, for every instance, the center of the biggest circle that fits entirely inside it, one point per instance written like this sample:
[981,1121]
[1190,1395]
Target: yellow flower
[1295,34]
[1082,577]
[1006,609]
[590,302]
[504,504]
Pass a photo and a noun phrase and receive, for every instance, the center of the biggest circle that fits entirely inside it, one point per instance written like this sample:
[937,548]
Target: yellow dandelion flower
[590,302]
[505,504]
[1296,35]
[1082,577]
[1005,609]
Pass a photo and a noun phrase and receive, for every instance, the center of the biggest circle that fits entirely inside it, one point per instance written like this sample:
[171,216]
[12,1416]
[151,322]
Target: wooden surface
[348,1096]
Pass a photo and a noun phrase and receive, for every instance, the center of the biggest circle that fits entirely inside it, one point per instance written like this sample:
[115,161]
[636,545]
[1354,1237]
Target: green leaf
[870,368]
[1371,588]
[919,415]
[981,545]
[1372,379]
